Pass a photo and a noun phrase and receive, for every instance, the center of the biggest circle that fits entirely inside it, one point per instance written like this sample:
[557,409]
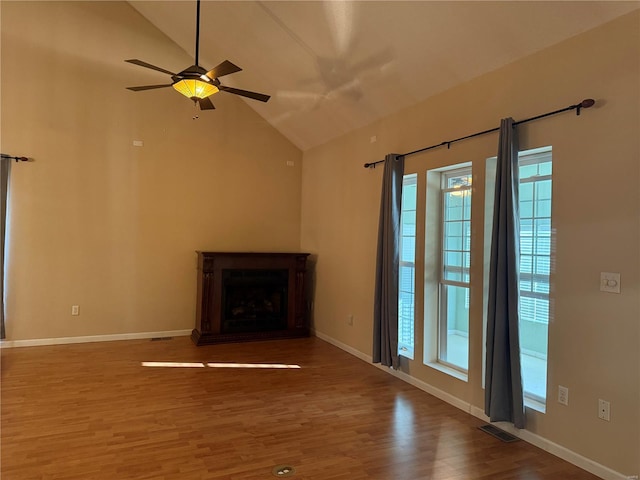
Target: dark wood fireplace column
[250,296]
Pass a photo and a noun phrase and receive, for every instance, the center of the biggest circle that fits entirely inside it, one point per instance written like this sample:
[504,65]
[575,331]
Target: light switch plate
[610,282]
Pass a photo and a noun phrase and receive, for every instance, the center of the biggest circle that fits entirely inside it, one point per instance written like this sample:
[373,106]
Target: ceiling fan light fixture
[194,88]
[195,82]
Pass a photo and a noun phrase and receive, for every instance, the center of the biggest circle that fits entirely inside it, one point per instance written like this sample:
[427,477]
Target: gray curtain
[385,312]
[503,382]
[5,169]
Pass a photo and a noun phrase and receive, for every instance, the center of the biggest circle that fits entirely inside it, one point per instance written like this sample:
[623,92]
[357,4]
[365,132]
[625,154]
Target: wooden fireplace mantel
[288,318]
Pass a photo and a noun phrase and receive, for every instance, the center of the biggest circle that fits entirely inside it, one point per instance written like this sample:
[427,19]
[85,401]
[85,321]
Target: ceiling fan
[195,82]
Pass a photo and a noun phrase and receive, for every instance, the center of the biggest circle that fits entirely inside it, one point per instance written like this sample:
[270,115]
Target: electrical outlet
[604,410]
[350,319]
[75,310]
[563,395]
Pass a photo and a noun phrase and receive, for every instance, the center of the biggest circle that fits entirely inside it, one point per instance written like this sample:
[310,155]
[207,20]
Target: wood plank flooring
[93,412]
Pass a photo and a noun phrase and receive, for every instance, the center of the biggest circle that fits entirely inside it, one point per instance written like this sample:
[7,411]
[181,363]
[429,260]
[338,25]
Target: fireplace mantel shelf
[245,296]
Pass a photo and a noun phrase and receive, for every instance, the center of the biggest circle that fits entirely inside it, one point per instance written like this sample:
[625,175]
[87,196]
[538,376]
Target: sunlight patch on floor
[173,364]
[251,365]
[218,365]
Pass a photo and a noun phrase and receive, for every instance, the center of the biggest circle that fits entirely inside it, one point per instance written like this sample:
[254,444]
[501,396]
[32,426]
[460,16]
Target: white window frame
[443,283]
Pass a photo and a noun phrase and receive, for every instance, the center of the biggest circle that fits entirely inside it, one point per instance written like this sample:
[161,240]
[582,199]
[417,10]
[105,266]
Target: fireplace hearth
[250,296]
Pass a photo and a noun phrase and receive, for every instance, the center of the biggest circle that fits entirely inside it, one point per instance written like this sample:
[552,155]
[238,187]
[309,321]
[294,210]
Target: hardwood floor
[93,412]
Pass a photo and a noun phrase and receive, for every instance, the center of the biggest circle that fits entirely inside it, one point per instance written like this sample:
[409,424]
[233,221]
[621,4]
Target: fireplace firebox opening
[254,300]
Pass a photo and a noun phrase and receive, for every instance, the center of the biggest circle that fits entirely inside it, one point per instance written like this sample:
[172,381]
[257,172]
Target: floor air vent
[157,339]
[283,471]
[499,434]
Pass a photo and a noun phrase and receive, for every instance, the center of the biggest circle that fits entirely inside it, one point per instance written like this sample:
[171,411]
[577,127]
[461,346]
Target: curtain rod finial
[586,103]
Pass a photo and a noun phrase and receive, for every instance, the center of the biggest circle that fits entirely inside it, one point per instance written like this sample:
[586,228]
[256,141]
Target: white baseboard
[342,346]
[92,338]
[558,450]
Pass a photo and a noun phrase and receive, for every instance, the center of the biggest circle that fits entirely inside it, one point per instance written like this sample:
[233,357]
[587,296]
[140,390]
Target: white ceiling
[333,66]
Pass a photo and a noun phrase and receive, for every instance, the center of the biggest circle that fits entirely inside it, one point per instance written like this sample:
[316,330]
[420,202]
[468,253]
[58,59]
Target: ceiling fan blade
[245,93]
[148,87]
[225,68]
[148,65]
[205,104]
[376,61]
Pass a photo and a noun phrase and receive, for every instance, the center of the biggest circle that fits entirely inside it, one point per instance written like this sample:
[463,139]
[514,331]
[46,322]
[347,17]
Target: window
[406,286]
[535,268]
[455,259]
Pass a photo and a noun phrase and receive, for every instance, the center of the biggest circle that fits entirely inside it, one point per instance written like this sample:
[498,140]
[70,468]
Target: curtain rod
[11,157]
[586,103]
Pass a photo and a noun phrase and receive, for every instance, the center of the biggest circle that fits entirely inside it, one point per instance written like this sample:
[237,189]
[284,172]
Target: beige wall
[113,228]
[594,337]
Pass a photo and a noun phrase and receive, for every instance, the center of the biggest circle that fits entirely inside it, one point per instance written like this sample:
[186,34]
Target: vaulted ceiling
[333,66]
